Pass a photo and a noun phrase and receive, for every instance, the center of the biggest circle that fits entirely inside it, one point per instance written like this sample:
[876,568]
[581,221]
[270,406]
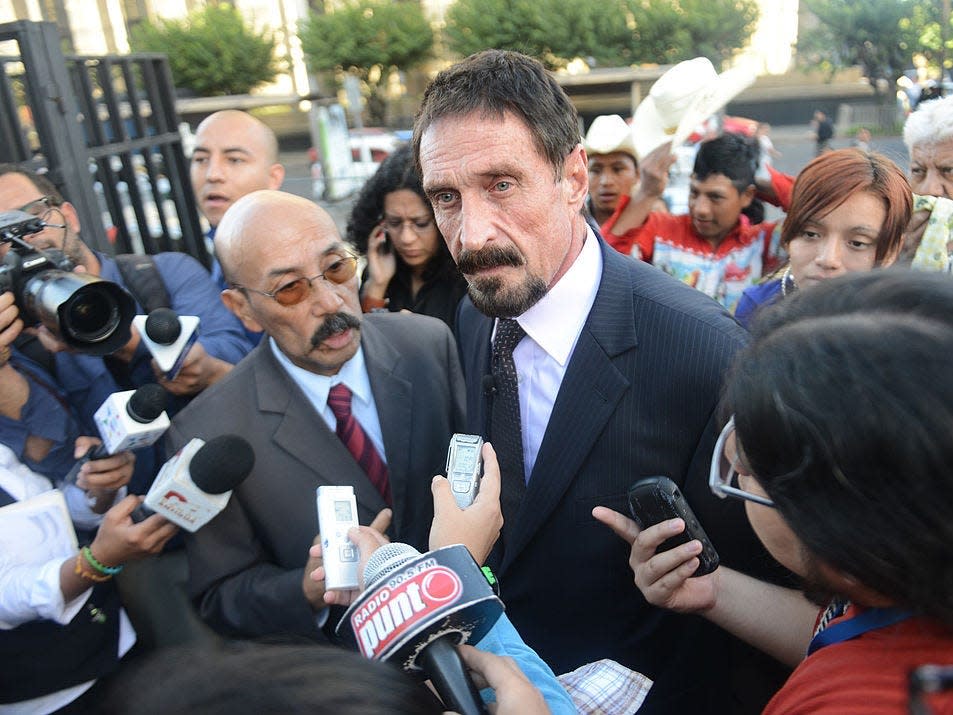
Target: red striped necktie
[354,437]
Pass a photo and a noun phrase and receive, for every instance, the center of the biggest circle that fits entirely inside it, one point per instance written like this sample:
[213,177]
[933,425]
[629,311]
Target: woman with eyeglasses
[839,444]
[408,264]
[848,212]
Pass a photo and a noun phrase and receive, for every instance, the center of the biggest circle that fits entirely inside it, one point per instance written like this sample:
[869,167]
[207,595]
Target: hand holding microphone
[168,336]
[195,485]
[126,420]
[416,609]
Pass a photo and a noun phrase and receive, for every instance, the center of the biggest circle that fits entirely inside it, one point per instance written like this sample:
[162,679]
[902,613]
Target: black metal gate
[106,131]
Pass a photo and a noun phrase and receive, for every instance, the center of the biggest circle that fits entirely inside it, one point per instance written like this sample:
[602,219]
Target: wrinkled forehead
[282,240]
[938,152]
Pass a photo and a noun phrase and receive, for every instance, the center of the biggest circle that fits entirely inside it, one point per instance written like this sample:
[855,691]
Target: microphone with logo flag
[196,484]
[416,608]
[127,420]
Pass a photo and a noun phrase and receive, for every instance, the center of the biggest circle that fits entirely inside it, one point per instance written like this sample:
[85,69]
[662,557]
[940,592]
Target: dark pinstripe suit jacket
[638,399]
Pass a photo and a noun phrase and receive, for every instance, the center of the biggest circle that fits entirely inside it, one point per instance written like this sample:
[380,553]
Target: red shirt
[868,674]
[670,243]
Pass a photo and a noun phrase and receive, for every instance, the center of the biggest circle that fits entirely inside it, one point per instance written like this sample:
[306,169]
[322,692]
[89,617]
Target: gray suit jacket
[638,399]
[246,565]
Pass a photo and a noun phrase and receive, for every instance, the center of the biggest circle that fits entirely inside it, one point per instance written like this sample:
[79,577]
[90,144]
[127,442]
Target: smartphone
[337,512]
[464,467]
[656,499]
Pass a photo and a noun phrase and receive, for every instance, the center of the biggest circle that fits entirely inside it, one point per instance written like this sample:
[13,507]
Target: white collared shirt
[353,374]
[553,326]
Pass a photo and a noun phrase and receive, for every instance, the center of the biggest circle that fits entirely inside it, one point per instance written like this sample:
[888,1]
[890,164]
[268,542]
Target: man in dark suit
[587,370]
[295,279]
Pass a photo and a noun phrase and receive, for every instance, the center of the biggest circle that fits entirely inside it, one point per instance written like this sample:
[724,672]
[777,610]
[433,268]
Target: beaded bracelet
[85,573]
[102,568]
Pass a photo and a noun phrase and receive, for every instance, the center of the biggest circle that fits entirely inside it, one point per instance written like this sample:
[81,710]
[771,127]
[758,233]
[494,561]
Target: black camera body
[88,313]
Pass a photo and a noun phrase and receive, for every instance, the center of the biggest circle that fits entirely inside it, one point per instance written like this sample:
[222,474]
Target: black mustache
[337,323]
[488,257]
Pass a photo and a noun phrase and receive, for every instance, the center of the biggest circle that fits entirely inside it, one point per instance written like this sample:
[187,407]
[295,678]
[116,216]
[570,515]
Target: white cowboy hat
[608,134]
[680,99]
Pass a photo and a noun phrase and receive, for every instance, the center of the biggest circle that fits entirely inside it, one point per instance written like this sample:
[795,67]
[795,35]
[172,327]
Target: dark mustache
[337,323]
[489,257]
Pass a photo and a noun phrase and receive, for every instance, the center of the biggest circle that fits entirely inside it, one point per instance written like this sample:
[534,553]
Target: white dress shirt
[552,328]
[353,374]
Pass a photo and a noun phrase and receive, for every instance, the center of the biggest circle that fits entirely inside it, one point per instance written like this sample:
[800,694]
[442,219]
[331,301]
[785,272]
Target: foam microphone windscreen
[222,464]
[163,326]
[147,403]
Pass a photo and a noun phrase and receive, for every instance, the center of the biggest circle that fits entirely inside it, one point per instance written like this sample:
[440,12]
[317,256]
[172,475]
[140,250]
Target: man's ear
[747,196]
[237,302]
[70,216]
[276,175]
[576,176]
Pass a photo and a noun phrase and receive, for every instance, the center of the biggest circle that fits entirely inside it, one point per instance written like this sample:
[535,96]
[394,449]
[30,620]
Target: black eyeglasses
[293,292]
[418,225]
[723,476]
[42,207]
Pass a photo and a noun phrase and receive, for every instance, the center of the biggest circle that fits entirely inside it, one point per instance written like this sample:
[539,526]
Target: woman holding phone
[408,264]
[839,444]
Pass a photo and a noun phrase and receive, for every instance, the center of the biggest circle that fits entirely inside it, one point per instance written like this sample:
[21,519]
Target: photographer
[59,389]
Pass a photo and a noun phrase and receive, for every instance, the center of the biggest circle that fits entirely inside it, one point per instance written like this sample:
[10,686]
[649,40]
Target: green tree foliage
[212,51]
[612,32]
[925,20]
[474,25]
[369,38]
[874,34]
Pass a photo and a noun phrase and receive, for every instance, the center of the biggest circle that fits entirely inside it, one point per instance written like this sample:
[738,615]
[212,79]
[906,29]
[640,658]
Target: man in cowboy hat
[613,167]
[714,248]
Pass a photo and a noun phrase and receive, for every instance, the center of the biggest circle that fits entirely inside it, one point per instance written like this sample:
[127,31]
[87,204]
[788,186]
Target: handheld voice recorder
[464,467]
[337,512]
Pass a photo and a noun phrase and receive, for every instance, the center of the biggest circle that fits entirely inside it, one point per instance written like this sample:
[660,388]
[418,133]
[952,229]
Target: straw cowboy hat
[680,99]
[609,133]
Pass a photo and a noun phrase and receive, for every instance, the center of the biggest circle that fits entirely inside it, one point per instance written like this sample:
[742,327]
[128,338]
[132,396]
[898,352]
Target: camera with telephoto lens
[88,313]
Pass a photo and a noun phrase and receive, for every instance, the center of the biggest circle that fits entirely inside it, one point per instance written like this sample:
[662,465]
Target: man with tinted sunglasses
[331,396]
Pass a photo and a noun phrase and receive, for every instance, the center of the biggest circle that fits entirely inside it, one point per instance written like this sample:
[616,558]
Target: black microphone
[163,326]
[489,385]
[196,484]
[127,420]
[416,608]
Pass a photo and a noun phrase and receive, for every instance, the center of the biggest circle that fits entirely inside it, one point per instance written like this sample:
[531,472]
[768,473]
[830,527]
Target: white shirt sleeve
[30,592]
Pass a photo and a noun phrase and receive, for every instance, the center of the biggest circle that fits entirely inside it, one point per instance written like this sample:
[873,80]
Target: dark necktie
[354,437]
[505,431]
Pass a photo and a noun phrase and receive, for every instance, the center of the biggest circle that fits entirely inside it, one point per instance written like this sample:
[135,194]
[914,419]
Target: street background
[794,142]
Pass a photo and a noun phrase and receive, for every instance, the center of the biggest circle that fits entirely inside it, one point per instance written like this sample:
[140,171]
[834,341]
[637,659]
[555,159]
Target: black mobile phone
[385,247]
[656,499]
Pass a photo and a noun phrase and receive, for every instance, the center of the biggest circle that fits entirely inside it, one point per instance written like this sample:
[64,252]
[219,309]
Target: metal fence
[106,131]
